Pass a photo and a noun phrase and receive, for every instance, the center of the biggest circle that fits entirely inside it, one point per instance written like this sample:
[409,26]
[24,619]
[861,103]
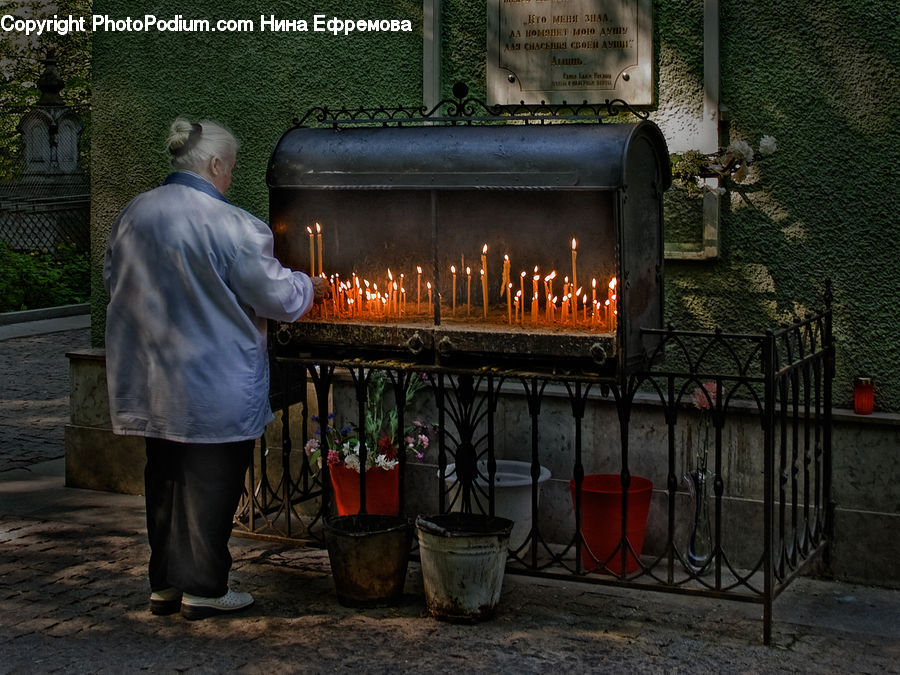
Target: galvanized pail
[463,558]
[369,556]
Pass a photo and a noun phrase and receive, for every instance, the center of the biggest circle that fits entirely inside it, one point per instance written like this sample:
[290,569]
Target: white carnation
[352,462]
[383,462]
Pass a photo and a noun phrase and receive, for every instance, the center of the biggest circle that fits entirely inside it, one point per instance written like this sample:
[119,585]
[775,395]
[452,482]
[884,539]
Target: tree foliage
[21,65]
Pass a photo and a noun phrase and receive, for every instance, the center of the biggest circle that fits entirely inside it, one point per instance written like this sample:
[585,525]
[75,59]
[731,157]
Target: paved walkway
[73,593]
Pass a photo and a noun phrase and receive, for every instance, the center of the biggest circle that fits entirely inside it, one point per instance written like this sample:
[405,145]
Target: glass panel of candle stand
[377,253]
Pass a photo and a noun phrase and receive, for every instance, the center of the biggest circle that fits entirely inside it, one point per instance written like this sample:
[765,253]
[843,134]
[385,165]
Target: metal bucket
[369,556]
[463,558]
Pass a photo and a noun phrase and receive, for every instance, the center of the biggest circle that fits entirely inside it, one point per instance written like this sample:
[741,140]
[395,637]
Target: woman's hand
[321,289]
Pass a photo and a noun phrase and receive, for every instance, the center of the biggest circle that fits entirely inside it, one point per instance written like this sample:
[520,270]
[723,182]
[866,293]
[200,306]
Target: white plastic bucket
[512,494]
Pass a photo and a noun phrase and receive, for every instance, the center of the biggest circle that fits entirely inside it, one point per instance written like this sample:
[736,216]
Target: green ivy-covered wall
[254,83]
[819,76]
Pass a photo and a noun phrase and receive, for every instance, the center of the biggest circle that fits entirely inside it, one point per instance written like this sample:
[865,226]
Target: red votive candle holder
[863,398]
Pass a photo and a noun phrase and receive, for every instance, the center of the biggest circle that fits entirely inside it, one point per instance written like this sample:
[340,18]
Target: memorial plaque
[570,51]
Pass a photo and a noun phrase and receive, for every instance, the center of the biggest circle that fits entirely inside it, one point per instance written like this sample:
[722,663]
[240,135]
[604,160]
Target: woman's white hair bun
[191,146]
[179,133]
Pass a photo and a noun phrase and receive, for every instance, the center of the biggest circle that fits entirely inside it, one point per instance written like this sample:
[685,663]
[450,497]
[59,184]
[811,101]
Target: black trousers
[192,491]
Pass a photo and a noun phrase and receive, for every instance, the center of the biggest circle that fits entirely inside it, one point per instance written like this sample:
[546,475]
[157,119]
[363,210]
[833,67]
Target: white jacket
[192,280]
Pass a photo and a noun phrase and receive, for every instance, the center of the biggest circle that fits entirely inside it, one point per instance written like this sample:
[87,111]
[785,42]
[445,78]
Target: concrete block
[96,459]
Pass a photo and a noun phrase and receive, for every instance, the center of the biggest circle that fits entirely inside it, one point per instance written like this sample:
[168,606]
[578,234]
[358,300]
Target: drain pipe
[431,53]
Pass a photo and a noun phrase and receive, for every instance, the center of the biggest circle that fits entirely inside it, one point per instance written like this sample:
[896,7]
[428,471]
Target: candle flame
[551,276]
[469,271]
[452,269]
[482,272]
[594,283]
[484,250]
[612,284]
[506,258]
[418,269]
[574,244]
[309,229]
[535,269]
[428,285]
[318,228]
[390,276]
[523,274]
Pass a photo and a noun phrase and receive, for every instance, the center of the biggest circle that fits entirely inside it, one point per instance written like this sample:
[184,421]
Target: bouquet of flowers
[342,445]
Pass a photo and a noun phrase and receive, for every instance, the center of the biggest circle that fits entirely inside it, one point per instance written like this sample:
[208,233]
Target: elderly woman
[192,280]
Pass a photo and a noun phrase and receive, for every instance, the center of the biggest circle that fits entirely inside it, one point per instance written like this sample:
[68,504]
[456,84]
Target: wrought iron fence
[770,502]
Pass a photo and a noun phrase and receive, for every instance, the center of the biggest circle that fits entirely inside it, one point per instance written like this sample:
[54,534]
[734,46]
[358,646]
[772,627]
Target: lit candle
[468,291]
[312,252]
[484,291]
[453,295]
[390,291]
[575,305]
[419,289]
[509,302]
[522,286]
[505,282]
[395,299]
[593,298]
[611,300]
[574,273]
[519,297]
[548,284]
[428,286]
[484,279]
[402,294]
[319,241]
[584,307]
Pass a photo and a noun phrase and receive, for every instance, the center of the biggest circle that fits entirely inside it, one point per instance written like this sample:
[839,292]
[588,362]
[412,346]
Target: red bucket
[601,520]
[382,490]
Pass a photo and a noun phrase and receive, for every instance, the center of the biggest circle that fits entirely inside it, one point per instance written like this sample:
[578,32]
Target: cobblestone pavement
[73,592]
[34,398]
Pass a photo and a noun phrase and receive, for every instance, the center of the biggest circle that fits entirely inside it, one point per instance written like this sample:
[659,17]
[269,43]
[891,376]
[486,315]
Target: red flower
[387,448]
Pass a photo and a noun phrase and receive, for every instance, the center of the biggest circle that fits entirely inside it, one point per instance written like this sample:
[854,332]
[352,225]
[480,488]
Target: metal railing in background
[43,224]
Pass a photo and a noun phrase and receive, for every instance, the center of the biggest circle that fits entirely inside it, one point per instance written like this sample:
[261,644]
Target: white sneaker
[166,601]
[198,607]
